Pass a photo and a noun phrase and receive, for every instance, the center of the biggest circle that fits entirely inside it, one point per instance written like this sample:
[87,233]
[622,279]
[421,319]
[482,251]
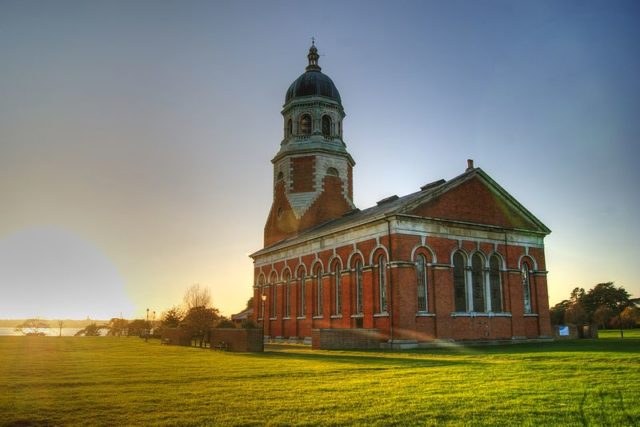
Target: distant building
[458,259]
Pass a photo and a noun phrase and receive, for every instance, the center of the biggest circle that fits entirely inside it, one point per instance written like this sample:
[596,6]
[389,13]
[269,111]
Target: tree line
[604,305]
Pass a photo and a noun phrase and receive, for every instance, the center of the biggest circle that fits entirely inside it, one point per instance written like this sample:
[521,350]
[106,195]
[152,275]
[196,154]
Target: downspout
[390,305]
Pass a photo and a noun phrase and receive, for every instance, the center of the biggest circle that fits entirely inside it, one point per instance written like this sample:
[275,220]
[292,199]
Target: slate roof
[395,205]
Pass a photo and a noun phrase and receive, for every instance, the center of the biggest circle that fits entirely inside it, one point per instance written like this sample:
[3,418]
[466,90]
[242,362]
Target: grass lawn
[125,381]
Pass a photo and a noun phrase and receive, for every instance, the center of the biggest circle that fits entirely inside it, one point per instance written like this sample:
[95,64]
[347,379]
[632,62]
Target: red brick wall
[303,174]
[403,293]
[472,201]
[243,340]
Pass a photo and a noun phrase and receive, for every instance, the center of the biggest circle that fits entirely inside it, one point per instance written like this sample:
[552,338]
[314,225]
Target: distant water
[51,332]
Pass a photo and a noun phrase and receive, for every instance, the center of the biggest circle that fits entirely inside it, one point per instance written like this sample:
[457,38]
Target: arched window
[326,125]
[477,283]
[382,284]
[305,124]
[421,273]
[302,294]
[287,294]
[289,130]
[332,172]
[318,292]
[358,285]
[261,287]
[526,287]
[494,281]
[337,290]
[459,282]
[274,298]
[280,176]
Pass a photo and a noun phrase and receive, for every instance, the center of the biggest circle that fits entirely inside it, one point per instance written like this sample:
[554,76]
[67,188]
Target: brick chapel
[457,260]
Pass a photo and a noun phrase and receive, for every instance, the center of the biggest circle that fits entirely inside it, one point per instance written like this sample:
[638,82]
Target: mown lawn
[125,381]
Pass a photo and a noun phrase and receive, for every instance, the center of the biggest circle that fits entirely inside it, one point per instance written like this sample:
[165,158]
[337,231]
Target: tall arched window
[526,287]
[358,287]
[274,300]
[477,282]
[337,289]
[318,292]
[287,294]
[326,125]
[261,286]
[305,124]
[382,284]
[459,282]
[289,130]
[302,294]
[494,280]
[421,273]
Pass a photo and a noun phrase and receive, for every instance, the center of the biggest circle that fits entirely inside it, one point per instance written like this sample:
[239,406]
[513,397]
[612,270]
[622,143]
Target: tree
[32,327]
[137,327]
[630,317]
[250,303]
[172,317]
[92,330]
[557,312]
[605,295]
[117,327]
[225,323]
[197,296]
[60,325]
[200,320]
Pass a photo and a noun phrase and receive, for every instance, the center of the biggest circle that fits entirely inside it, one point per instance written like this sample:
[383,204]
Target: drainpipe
[390,305]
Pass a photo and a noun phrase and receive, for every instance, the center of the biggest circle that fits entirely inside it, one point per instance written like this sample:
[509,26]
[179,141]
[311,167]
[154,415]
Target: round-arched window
[326,125]
[332,172]
[305,124]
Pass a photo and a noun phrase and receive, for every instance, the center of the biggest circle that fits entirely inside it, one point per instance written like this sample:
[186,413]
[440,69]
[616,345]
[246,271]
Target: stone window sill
[425,314]
[381,315]
[318,317]
[357,316]
[531,315]
[336,316]
[301,317]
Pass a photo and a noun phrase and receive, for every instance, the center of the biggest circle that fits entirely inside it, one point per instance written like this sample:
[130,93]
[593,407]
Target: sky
[136,136]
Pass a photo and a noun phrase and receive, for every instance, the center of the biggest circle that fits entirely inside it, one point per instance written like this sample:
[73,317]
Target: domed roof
[313,82]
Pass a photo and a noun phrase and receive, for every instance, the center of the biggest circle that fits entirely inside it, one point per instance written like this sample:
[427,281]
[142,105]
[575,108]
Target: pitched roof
[395,205]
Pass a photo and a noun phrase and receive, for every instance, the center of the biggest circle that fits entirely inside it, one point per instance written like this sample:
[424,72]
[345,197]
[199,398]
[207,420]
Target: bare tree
[197,297]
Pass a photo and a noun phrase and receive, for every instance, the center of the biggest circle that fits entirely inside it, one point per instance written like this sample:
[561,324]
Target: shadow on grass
[284,351]
[367,357]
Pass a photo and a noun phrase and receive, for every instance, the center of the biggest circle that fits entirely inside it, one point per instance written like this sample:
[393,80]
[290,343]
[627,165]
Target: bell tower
[312,171]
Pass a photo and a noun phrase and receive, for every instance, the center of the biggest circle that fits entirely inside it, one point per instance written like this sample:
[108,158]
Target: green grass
[615,333]
[125,381]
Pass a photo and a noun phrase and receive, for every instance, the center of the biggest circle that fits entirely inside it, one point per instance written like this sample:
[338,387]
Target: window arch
[289,129]
[302,291]
[261,288]
[358,287]
[305,124]
[326,125]
[459,282]
[421,275]
[287,293]
[333,172]
[382,283]
[526,287]
[318,291]
[336,286]
[477,283]
[274,295]
[494,284]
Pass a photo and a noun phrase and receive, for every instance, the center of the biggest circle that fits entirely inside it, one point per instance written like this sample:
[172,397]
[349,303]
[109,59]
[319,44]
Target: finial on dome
[313,57]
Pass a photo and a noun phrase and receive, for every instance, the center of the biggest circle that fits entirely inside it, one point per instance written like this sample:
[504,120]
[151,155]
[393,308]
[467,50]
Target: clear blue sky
[136,136]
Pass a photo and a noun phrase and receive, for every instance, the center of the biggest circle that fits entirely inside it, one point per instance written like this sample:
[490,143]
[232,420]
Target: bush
[225,323]
[249,324]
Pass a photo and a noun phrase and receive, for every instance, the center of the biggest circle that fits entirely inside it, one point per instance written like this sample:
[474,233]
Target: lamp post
[146,328]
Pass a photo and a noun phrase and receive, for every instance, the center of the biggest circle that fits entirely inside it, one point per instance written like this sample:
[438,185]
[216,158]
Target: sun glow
[53,273]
